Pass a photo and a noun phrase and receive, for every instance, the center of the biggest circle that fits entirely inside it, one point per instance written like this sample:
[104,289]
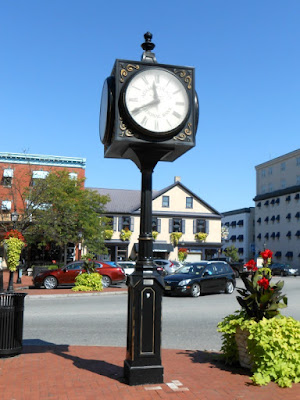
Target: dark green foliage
[261,301]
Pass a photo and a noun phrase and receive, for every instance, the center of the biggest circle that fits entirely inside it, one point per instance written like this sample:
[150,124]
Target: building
[277,207]
[19,171]
[240,225]
[175,209]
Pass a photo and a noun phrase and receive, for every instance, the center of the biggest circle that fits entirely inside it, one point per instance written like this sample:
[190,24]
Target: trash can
[11,323]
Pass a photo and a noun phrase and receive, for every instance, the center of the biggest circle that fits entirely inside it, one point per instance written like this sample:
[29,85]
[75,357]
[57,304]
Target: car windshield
[190,269]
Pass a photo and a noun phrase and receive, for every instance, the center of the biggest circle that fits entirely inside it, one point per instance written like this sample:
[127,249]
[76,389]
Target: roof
[39,159]
[129,201]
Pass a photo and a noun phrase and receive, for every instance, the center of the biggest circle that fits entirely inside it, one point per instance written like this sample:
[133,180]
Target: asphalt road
[188,323]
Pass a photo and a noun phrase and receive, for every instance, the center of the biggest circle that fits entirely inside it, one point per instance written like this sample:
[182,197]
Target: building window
[270,187]
[156,224]
[6,205]
[263,189]
[166,201]
[298,180]
[8,174]
[200,226]
[240,223]
[298,161]
[38,175]
[176,225]
[125,223]
[73,175]
[283,183]
[282,166]
[270,171]
[189,202]
[263,173]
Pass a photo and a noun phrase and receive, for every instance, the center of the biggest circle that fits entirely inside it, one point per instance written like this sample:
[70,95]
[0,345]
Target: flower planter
[241,338]
[11,323]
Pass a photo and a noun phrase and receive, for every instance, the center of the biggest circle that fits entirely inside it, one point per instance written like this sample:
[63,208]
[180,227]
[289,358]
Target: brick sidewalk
[91,373]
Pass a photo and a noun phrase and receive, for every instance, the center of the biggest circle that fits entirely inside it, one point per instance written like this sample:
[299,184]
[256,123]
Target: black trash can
[11,323]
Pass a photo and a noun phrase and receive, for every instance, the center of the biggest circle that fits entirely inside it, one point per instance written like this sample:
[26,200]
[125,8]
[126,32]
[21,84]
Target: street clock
[146,104]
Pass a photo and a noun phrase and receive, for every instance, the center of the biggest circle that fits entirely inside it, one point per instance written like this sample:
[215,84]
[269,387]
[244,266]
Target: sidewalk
[90,373]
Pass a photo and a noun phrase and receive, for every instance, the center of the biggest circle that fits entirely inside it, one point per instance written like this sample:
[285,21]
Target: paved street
[188,323]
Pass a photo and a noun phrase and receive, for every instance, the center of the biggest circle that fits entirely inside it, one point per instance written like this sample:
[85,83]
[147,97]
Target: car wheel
[282,273]
[106,281]
[229,288]
[50,282]
[195,290]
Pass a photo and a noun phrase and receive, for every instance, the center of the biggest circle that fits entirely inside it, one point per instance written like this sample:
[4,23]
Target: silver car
[168,266]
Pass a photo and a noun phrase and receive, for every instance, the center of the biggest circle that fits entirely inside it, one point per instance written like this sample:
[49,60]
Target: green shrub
[88,282]
[274,346]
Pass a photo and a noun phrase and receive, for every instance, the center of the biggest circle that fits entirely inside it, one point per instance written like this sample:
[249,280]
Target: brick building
[19,171]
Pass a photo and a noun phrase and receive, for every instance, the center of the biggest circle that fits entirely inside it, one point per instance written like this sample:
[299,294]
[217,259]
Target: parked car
[167,265]
[238,268]
[128,266]
[178,264]
[201,277]
[283,269]
[66,275]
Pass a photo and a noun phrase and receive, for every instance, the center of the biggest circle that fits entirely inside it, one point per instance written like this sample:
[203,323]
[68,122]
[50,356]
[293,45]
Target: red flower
[182,250]
[264,283]
[266,254]
[14,233]
[251,265]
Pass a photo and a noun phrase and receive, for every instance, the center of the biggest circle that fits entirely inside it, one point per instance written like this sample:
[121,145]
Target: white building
[277,207]
[240,225]
[174,209]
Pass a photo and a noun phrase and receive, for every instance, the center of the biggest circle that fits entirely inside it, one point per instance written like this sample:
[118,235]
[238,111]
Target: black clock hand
[150,104]
[154,91]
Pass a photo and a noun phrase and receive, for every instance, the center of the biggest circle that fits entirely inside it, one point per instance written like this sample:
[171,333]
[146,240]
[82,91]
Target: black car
[283,269]
[201,277]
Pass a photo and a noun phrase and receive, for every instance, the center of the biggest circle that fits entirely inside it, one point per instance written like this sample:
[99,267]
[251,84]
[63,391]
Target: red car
[66,275]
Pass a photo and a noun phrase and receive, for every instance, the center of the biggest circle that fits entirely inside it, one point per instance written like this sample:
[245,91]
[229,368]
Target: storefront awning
[157,247]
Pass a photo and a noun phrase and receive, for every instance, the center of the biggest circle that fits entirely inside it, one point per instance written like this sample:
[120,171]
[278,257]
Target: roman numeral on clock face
[144,121]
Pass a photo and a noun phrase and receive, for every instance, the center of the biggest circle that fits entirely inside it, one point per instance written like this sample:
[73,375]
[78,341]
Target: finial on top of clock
[147,46]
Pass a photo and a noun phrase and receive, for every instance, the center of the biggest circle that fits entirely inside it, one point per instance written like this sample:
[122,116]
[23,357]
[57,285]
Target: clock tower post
[148,113]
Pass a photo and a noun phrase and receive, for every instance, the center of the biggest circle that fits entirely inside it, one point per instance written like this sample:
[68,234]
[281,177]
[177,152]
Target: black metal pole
[145,289]
[1,280]
[10,287]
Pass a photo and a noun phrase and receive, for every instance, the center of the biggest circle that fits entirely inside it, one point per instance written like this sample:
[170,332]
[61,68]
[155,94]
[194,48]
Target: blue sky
[55,56]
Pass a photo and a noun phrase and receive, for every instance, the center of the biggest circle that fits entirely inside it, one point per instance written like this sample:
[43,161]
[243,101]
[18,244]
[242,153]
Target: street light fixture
[14,217]
[79,245]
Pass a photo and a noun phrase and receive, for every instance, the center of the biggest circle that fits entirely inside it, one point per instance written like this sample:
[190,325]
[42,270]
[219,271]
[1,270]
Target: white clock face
[157,101]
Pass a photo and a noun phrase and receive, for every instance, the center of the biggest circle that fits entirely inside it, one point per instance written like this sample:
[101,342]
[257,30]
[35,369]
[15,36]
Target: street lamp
[79,245]
[14,217]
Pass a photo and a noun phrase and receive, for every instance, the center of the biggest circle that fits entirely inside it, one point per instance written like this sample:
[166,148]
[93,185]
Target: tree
[232,253]
[58,208]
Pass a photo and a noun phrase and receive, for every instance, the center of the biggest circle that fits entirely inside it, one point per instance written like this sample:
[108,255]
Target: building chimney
[177,179]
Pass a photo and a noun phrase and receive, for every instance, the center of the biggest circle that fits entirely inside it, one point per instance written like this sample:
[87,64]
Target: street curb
[47,296]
